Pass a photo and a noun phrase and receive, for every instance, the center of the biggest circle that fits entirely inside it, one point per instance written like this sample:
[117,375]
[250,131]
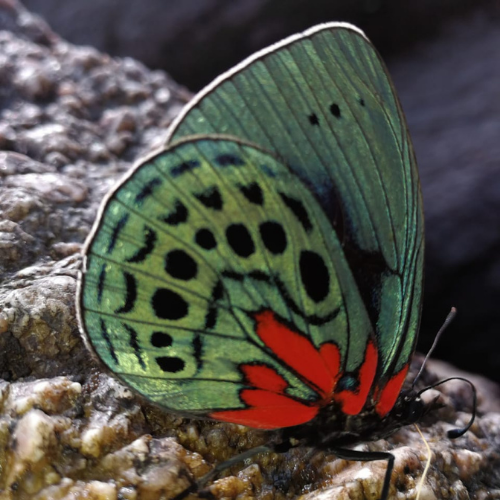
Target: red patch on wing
[331,357]
[264,377]
[300,354]
[268,405]
[268,410]
[353,402]
[386,397]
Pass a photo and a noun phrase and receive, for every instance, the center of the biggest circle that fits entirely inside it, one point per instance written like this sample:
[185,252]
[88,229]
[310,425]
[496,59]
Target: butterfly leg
[368,456]
[196,487]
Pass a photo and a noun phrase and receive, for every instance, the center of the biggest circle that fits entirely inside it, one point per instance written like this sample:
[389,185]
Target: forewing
[323,101]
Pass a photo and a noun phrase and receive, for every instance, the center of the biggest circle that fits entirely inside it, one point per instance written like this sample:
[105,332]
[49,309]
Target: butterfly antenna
[456,433]
[447,321]
[427,465]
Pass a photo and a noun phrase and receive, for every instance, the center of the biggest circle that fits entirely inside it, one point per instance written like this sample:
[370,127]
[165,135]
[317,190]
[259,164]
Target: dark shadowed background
[444,56]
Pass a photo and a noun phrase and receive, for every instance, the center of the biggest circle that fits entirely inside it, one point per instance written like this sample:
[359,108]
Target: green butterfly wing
[323,101]
[311,209]
[187,249]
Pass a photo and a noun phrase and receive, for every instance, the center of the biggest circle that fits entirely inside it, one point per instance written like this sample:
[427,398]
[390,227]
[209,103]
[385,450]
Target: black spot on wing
[177,216]
[100,283]
[198,351]
[107,339]
[259,276]
[233,275]
[229,160]
[335,110]
[253,193]
[161,339]
[273,236]
[134,344]
[314,275]
[362,102]
[299,211]
[211,317]
[313,119]
[147,190]
[240,240]
[212,313]
[169,305]
[179,264]
[210,198]
[205,239]
[217,292]
[170,364]
[130,293]
[150,238]
[115,233]
[184,167]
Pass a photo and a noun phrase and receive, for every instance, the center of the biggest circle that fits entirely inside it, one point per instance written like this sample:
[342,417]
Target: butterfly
[265,267]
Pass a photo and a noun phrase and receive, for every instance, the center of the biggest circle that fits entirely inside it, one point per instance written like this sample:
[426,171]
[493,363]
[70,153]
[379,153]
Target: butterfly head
[410,408]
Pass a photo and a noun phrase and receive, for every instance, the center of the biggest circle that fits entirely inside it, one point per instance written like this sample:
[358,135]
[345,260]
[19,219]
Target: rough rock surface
[72,121]
[64,439]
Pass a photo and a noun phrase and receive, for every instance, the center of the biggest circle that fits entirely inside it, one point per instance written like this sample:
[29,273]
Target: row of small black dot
[272,233]
[237,235]
[170,364]
[315,277]
[181,265]
[334,110]
[158,339]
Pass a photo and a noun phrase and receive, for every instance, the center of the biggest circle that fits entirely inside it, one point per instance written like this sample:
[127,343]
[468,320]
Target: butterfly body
[331,428]
[265,268]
